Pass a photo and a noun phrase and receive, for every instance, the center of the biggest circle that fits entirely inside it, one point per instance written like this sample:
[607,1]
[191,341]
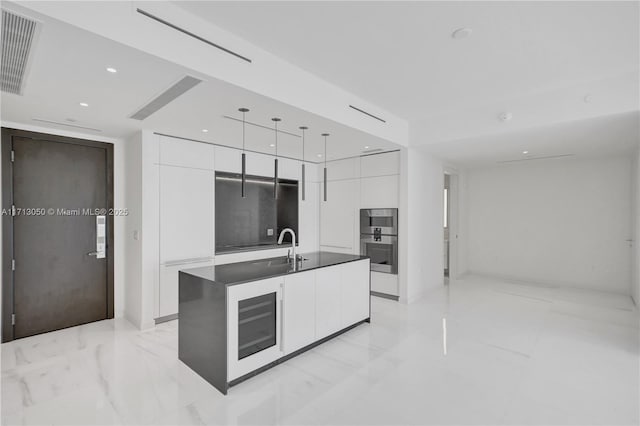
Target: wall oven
[379,238]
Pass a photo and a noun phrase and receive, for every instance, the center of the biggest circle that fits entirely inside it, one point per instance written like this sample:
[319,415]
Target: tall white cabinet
[186,214]
[367,182]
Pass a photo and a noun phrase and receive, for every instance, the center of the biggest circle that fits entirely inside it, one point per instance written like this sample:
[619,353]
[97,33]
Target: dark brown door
[58,191]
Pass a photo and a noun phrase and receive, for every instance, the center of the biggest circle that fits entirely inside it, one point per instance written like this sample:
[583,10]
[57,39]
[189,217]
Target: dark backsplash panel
[244,223]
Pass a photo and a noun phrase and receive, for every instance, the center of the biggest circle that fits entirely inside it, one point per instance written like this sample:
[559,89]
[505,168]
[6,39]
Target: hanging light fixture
[303,128]
[325,165]
[244,157]
[275,169]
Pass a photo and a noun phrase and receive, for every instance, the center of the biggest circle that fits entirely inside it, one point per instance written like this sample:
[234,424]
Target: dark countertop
[254,270]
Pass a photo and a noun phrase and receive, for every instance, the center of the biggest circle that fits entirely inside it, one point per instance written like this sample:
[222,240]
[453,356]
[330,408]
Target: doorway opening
[450,225]
[57,237]
[446,220]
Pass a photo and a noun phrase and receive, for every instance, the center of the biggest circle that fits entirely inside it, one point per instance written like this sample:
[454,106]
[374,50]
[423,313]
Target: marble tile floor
[514,354]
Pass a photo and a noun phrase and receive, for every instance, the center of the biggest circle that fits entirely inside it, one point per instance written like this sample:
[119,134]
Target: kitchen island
[239,319]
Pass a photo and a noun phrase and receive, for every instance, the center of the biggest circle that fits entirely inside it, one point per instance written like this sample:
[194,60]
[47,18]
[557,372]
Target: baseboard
[385,296]
[166,318]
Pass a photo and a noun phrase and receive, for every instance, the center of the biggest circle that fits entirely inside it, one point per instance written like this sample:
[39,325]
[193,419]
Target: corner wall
[421,232]
[635,222]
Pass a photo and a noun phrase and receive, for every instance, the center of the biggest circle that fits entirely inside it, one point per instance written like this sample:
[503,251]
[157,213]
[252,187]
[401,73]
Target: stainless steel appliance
[379,238]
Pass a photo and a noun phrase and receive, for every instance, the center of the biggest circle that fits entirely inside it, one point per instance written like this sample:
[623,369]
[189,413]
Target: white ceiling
[69,67]
[603,136]
[537,60]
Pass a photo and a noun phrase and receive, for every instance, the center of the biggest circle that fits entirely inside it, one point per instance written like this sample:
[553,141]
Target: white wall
[635,222]
[420,234]
[132,247]
[552,221]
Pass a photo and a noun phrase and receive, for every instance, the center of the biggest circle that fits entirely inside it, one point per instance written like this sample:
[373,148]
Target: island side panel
[202,329]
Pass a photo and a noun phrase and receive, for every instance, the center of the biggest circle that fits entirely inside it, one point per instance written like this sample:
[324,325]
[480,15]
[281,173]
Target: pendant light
[303,128]
[325,165]
[275,169]
[244,156]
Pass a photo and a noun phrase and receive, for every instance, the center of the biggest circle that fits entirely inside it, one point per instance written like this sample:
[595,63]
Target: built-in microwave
[379,221]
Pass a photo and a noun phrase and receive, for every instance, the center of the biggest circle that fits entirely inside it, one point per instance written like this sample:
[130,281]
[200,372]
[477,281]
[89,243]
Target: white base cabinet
[384,283]
[299,313]
[168,288]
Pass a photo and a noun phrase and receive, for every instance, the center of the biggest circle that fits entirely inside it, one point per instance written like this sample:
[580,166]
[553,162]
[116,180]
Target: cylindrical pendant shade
[325,184]
[303,183]
[275,179]
[244,174]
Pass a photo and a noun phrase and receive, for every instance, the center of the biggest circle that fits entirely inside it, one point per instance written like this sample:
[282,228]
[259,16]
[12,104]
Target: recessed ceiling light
[366,147]
[112,70]
[272,145]
[84,104]
[525,152]
[588,99]
[319,155]
[205,130]
[461,33]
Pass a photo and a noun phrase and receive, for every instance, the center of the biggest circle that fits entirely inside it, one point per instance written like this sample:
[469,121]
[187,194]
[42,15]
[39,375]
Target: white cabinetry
[342,297]
[299,319]
[186,214]
[228,160]
[185,153]
[379,192]
[380,164]
[168,291]
[328,287]
[354,298]
[338,215]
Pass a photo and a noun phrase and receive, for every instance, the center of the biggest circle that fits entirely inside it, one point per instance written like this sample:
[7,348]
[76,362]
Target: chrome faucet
[293,241]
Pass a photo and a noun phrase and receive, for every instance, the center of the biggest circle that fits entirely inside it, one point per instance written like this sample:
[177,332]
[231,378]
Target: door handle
[93,253]
[101,237]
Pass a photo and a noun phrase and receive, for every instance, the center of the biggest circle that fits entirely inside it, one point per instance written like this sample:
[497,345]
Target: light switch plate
[269,232]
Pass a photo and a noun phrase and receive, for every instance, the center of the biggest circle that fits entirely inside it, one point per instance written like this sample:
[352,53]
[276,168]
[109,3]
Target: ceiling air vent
[548,157]
[179,88]
[190,34]
[367,113]
[18,37]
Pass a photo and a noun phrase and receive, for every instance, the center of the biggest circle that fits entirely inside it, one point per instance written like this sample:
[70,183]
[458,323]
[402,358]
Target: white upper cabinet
[308,217]
[379,192]
[228,160]
[184,153]
[289,169]
[186,213]
[380,164]
[341,169]
[260,164]
[338,213]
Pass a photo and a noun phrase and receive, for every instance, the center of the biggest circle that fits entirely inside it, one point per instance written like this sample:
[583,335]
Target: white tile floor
[516,354]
